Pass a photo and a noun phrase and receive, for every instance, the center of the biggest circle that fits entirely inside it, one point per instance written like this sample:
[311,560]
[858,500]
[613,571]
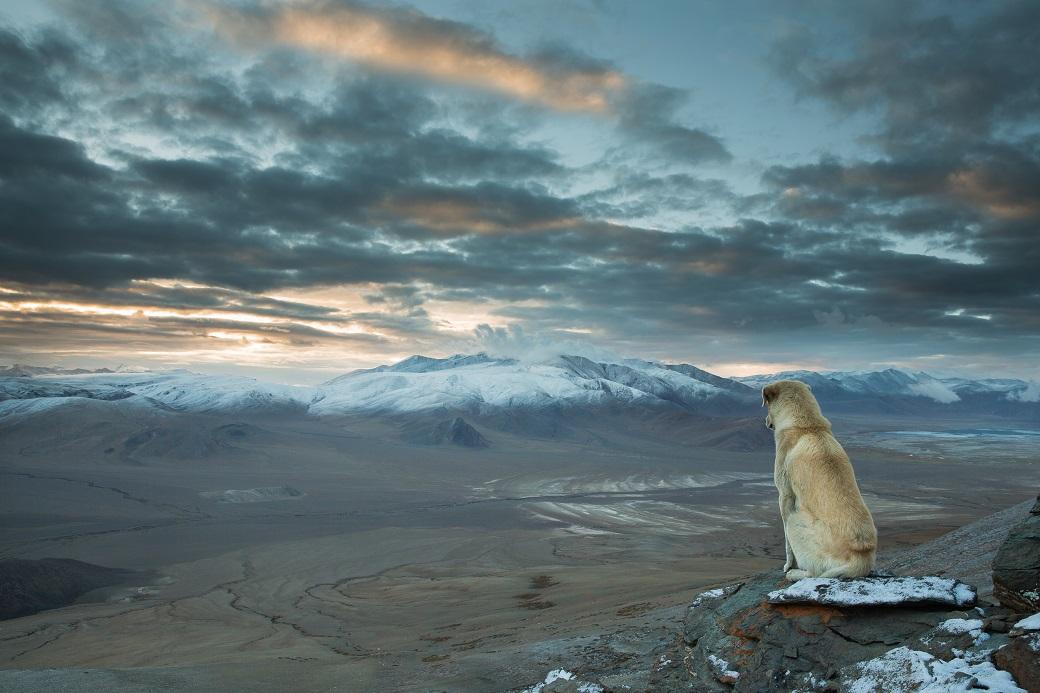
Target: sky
[291,190]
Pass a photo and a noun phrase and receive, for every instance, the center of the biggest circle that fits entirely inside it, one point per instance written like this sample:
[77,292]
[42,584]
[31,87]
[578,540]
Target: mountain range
[482,385]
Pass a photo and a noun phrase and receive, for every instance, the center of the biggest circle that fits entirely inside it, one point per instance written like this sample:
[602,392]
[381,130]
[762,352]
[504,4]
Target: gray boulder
[1016,567]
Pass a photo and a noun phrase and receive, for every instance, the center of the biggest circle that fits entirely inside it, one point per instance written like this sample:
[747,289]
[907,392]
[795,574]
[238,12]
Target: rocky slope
[878,634]
[28,586]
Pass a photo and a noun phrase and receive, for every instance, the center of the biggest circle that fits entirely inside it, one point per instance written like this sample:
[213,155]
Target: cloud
[484,208]
[1031,393]
[512,342]
[407,41]
[26,83]
[176,195]
[913,194]
[933,389]
[647,114]
[935,79]
[640,195]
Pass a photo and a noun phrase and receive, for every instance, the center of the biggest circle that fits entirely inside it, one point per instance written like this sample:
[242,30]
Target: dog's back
[826,489]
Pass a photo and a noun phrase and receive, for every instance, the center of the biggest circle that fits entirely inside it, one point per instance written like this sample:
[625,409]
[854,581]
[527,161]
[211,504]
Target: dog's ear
[769,393]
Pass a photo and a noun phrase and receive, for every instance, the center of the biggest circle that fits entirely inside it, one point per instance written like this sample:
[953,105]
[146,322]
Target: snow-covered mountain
[480,383]
[483,385]
[892,382]
[887,382]
[177,390]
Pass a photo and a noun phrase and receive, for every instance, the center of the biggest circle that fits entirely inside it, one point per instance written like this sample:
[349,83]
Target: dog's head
[788,402]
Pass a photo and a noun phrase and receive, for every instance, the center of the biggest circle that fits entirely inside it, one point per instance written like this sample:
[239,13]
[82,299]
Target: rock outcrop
[735,639]
[455,431]
[29,586]
[883,634]
[1016,567]
[1021,656]
[459,432]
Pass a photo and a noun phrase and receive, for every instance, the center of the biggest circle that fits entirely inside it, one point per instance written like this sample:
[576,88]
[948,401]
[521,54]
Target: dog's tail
[859,564]
[862,543]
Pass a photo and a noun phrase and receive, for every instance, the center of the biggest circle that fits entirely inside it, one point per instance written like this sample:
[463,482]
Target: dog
[828,530]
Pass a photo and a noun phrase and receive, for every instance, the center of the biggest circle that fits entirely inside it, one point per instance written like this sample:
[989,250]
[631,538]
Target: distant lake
[957,444]
[968,432]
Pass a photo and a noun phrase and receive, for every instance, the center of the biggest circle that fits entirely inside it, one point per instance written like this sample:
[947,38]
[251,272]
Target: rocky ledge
[1016,567]
[878,633]
[882,633]
[867,634]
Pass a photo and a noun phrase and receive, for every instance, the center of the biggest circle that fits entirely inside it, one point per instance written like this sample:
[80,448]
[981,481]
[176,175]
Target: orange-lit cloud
[980,189]
[461,216]
[355,333]
[738,369]
[409,42]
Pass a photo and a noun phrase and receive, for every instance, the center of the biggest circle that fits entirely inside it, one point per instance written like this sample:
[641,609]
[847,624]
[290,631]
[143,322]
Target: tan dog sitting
[828,531]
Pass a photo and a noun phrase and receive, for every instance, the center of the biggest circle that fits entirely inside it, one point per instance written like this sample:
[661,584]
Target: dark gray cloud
[276,172]
[935,78]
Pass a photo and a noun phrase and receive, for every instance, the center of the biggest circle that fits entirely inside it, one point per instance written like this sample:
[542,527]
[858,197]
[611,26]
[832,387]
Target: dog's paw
[795,574]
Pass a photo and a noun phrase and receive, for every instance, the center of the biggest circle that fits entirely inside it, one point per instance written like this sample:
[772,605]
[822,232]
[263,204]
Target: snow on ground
[903,669]
[254,495]
[1029,623]
[874,591]
[635,483]
[558,674]
[624,516]
[960,626]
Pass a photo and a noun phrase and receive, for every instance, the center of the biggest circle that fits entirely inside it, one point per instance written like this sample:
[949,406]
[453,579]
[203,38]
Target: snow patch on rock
[876,591]
[903,669]
[722,669]
[709,595]
[1030,622]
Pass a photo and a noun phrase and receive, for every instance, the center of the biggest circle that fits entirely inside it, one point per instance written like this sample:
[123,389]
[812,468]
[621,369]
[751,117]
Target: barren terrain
[331,554]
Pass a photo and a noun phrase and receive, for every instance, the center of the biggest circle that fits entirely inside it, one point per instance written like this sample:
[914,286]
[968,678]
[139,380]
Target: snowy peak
[20,370]
[893,382]
[730,385]
[423,364]
[480,383]
[177,390]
